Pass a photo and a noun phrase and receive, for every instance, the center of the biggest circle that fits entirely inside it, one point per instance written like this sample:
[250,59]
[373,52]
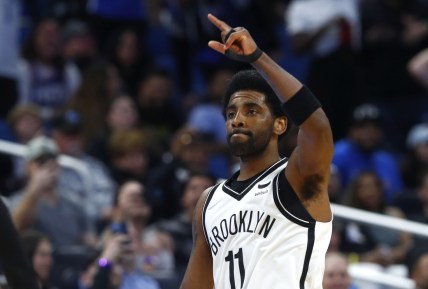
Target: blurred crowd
[131,89]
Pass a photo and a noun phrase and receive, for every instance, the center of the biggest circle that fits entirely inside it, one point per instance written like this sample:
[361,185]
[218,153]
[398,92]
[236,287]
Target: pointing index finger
[217,22]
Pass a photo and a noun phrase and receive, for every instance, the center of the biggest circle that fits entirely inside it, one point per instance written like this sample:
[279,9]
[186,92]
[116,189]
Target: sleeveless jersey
[261,237]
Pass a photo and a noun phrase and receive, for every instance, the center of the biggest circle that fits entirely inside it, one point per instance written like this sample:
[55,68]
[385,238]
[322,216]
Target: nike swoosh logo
[262,186]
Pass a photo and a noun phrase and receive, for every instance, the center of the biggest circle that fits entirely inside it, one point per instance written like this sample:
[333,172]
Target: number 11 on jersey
[240,259]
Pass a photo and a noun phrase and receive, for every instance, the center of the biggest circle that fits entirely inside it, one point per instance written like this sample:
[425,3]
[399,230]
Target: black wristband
[250,58]
[301,105]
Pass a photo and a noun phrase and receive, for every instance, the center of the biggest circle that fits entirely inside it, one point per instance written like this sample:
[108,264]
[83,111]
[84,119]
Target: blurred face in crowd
[79,46]
[42,259]
[367,135]
[134,162]
[122,114]
[47,40]
[336,272]
[69,143]
[27,127]
[132,201]
[369,191]
[193,190]
[127,51]
[154,91]
[420,272]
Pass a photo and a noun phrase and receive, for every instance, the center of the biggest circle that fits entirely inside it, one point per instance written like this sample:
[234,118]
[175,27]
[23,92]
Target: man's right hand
[44,178]
[114,247]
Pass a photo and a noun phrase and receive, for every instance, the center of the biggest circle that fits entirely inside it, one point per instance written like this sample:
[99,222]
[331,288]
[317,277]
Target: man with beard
[269,225]
[361,151]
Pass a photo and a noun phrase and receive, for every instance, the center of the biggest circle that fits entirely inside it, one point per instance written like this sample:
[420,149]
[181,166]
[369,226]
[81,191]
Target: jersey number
[229,258]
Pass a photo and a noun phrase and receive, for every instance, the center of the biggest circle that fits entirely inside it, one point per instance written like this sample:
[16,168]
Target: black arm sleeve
[19,273]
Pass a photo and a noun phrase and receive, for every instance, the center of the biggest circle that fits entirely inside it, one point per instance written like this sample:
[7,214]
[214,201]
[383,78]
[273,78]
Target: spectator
[25,122]
[39,251]
[107,15]
[129,158]
[97,191]
[187,154]
[155,101]
[415,160]
[78,44]
[122,115]
[393,32]
[180,226]
[207,118]
[41,204]
[153,249]
[374,244]
[329,31]
[336,274]
[45,79]
[414,203]
[100,84]
[129,57]
[115,269]
[361,150]
[417,264]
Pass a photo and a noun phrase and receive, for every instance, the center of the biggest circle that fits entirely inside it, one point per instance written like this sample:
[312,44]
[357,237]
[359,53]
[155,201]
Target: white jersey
[261,237]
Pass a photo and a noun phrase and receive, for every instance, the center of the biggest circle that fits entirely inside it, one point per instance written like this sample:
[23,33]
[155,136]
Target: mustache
[239,131]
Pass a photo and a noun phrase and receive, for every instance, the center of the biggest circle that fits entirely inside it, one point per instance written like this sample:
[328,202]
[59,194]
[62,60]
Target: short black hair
[250,79]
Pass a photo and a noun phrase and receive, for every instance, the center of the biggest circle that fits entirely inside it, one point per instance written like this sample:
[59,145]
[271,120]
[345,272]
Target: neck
[250,166]
[137,224]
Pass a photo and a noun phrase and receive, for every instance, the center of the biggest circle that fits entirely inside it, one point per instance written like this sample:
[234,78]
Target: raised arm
[308,169]
[199,273]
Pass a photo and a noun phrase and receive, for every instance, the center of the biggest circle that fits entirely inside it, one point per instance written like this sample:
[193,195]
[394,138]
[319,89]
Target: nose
[238,120]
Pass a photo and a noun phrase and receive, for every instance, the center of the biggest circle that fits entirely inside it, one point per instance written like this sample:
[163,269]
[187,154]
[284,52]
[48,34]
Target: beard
[251,146]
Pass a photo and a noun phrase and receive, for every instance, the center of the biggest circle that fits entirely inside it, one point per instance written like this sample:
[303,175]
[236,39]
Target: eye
[252,111]
[230,114]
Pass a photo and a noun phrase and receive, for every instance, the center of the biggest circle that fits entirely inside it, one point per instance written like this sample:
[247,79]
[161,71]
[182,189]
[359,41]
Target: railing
[339,211]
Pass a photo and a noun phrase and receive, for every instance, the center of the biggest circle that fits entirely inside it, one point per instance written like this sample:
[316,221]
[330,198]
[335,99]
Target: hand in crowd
[44,177]
[114,247]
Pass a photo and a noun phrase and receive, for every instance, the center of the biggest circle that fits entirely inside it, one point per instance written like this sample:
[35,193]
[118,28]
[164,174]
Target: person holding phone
[42,204]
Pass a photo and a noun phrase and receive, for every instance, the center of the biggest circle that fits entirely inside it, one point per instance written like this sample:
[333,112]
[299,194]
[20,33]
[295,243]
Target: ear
[280,125]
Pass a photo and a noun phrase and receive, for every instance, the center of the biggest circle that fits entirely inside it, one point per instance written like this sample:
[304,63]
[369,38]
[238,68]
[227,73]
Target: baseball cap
[417,135]
[40,147]
[69,122]
[366,113]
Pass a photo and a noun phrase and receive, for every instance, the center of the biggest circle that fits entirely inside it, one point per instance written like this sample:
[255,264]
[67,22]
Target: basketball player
[268,227]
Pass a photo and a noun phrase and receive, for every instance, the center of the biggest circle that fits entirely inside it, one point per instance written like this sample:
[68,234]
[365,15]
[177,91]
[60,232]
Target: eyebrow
[247,104]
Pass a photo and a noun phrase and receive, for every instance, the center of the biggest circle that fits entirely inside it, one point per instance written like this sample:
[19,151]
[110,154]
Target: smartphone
[119,228]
